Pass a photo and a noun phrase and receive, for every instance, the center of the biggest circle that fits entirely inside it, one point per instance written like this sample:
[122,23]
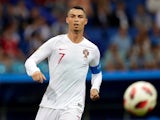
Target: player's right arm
[31,63]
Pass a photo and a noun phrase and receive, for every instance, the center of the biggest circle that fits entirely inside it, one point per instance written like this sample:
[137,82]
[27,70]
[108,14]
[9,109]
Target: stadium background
[26,24]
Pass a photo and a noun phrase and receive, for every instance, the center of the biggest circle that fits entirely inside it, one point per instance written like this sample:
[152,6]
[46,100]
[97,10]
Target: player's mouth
[76,25]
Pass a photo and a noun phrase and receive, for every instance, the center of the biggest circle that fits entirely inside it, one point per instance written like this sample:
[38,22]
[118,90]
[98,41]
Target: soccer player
[69,57]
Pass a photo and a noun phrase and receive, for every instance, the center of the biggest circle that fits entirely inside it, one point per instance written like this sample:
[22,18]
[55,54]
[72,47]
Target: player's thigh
[71,114]
[47,114]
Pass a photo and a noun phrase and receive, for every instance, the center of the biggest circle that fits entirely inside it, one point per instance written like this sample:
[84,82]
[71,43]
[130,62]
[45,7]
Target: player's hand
[94,94]
[38,77]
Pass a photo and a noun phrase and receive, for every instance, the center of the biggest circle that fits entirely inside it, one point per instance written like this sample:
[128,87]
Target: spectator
[141,60]
[10,42]
[38,25]
[44,28]
[152,5]
[140,56]
[122,15]
[119,16]
[142,18]
[21,10]
[34,42]
[156,55]
[122,39]
[113,59]
[5,61]
[155,34]
[60,26]
[34,14]
[102,10]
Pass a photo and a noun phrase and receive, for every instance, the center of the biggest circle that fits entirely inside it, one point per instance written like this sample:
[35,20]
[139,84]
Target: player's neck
[75,38]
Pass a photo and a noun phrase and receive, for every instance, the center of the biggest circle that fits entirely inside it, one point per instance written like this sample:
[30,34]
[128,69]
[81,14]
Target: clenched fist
[94,94]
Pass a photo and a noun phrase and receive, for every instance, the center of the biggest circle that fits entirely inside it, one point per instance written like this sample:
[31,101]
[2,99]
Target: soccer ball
[140,98]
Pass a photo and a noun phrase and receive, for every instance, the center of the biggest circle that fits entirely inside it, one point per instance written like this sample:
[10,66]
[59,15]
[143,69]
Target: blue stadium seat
[3,68]
[18,67]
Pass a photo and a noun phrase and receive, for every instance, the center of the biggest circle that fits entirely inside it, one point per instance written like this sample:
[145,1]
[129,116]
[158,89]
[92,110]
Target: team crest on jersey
[86,53]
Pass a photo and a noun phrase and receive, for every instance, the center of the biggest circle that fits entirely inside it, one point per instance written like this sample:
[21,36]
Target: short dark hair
[79,8]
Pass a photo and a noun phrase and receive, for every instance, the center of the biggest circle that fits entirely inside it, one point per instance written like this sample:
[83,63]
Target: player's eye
[81,16]
[72,16]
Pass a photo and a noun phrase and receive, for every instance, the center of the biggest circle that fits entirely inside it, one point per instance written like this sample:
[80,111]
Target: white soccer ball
[140,98]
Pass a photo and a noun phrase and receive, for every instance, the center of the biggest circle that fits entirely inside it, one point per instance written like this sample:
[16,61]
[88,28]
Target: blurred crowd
[126,31]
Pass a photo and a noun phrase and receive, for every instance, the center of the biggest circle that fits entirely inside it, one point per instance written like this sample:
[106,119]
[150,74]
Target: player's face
[76,20]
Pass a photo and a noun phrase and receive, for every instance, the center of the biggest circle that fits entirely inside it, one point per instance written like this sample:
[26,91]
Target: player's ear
[66,19]
[86,21]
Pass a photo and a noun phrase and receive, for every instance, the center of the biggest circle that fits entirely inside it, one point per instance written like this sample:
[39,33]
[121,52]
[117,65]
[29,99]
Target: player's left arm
[96,78]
